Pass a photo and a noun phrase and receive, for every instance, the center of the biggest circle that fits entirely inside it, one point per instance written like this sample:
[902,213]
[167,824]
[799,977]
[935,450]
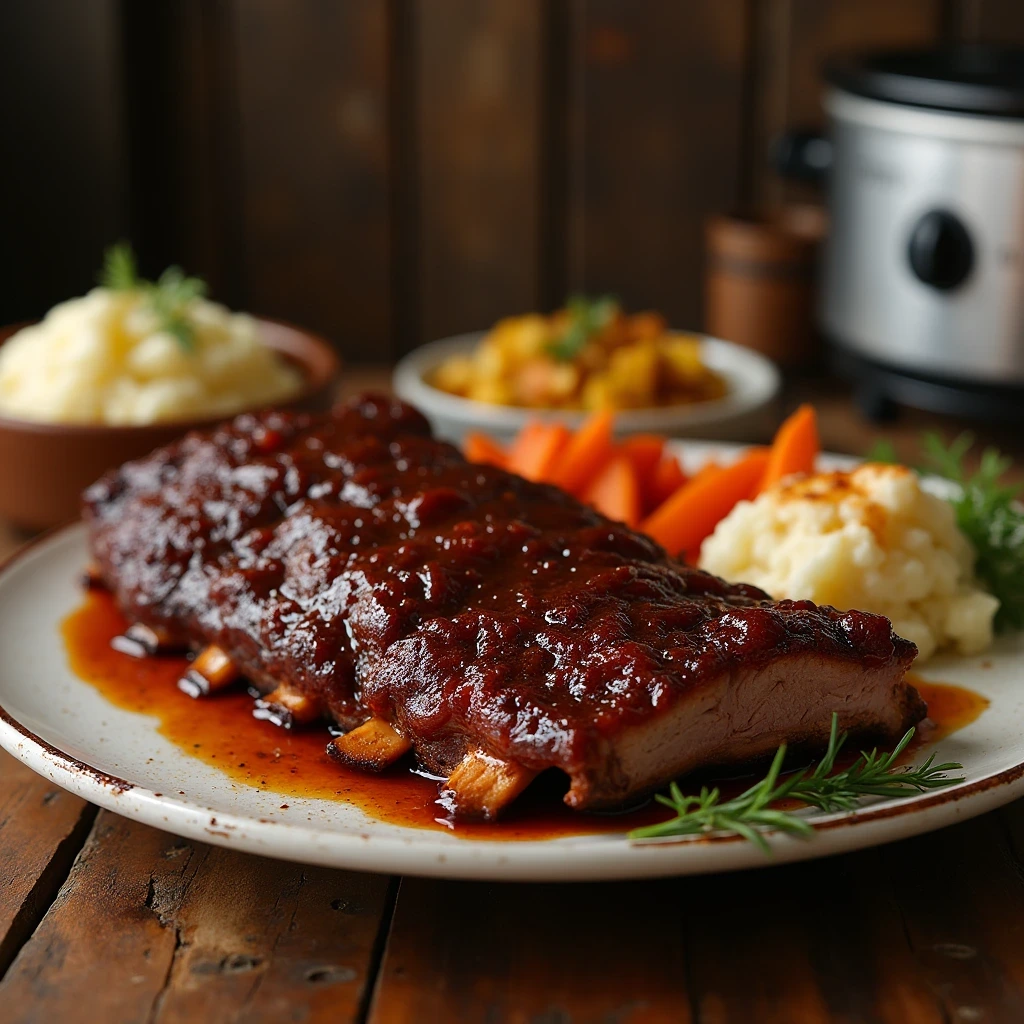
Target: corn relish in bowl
[590,356]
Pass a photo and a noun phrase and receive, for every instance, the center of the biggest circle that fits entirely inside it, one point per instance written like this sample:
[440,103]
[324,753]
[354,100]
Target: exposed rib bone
[482,786]
[142,641]
[371,746]
[286,707]
[211,671]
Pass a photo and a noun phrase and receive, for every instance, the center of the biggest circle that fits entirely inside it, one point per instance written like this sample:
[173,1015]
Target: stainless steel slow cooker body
[924,267]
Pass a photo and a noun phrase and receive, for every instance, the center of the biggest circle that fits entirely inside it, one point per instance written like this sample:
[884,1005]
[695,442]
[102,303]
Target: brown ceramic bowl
[44,467]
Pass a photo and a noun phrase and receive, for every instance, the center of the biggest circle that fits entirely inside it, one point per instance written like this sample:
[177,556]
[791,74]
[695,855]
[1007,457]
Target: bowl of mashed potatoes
[128,367]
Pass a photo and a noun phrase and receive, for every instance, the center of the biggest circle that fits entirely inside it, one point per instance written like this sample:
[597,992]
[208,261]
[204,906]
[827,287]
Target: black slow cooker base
[881,389]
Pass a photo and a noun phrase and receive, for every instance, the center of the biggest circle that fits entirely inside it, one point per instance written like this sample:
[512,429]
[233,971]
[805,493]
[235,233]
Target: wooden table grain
[104,919]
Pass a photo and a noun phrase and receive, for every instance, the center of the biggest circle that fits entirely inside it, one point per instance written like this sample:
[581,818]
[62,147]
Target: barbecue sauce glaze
[222,732]
[371,568]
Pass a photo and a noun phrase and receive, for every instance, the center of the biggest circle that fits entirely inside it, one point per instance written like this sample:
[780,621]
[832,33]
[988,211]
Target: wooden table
[103,919]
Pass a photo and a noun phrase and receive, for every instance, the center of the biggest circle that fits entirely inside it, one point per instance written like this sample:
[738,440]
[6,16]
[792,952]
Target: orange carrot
[706,470]
[536,449]
[795,448]
[681,523]
[481,448]
[615,491]
[644,451]
[667,478]
[587,451]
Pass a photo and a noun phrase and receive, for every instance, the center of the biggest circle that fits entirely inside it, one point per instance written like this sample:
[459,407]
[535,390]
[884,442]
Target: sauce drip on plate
[949,708]
[222,732]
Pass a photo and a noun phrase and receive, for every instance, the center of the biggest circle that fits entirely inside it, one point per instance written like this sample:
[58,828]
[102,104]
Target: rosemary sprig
[169,297]
[751,813]
[587,317]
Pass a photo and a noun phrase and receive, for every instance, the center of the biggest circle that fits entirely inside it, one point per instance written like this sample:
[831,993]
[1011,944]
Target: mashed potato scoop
[871,539]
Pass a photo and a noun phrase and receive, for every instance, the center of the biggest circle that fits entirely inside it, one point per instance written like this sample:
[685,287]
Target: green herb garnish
[169,297]
[120,272]
[990,516]
[587,318]
[883,450]
[751,813]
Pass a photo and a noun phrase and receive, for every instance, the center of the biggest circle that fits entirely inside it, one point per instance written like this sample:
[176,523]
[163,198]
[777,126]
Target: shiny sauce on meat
[222,732]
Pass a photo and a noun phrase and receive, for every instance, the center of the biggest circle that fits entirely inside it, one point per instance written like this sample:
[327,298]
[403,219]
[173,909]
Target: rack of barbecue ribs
[356,571]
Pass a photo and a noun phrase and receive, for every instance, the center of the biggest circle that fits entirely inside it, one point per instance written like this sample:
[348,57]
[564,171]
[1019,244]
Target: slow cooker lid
[985,80]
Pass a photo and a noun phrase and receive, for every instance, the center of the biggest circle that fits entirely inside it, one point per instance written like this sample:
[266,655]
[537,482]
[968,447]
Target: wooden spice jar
[760,281]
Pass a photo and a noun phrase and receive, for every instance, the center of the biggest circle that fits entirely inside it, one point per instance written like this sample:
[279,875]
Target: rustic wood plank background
[391,171]
[656,104]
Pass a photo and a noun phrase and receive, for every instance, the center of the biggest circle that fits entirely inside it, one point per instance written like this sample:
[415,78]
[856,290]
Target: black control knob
[940,251]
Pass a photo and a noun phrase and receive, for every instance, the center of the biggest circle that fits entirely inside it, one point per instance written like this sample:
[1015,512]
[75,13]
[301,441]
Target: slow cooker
[923,279]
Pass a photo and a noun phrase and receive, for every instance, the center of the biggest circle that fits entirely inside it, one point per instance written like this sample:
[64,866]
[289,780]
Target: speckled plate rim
[339,835]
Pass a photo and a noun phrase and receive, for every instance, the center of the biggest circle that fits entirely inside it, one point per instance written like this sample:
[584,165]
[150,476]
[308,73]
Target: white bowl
[743,413]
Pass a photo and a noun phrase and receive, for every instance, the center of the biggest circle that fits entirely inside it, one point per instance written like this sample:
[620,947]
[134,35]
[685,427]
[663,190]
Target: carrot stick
[535,450]
[644,451]
[795,448]
[705,470]
[615,491]
[587,451]
[667,478]
[481,448]
[681,523]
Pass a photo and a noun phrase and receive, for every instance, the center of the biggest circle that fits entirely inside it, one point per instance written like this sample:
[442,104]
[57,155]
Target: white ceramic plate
[65,730]
[744,412]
